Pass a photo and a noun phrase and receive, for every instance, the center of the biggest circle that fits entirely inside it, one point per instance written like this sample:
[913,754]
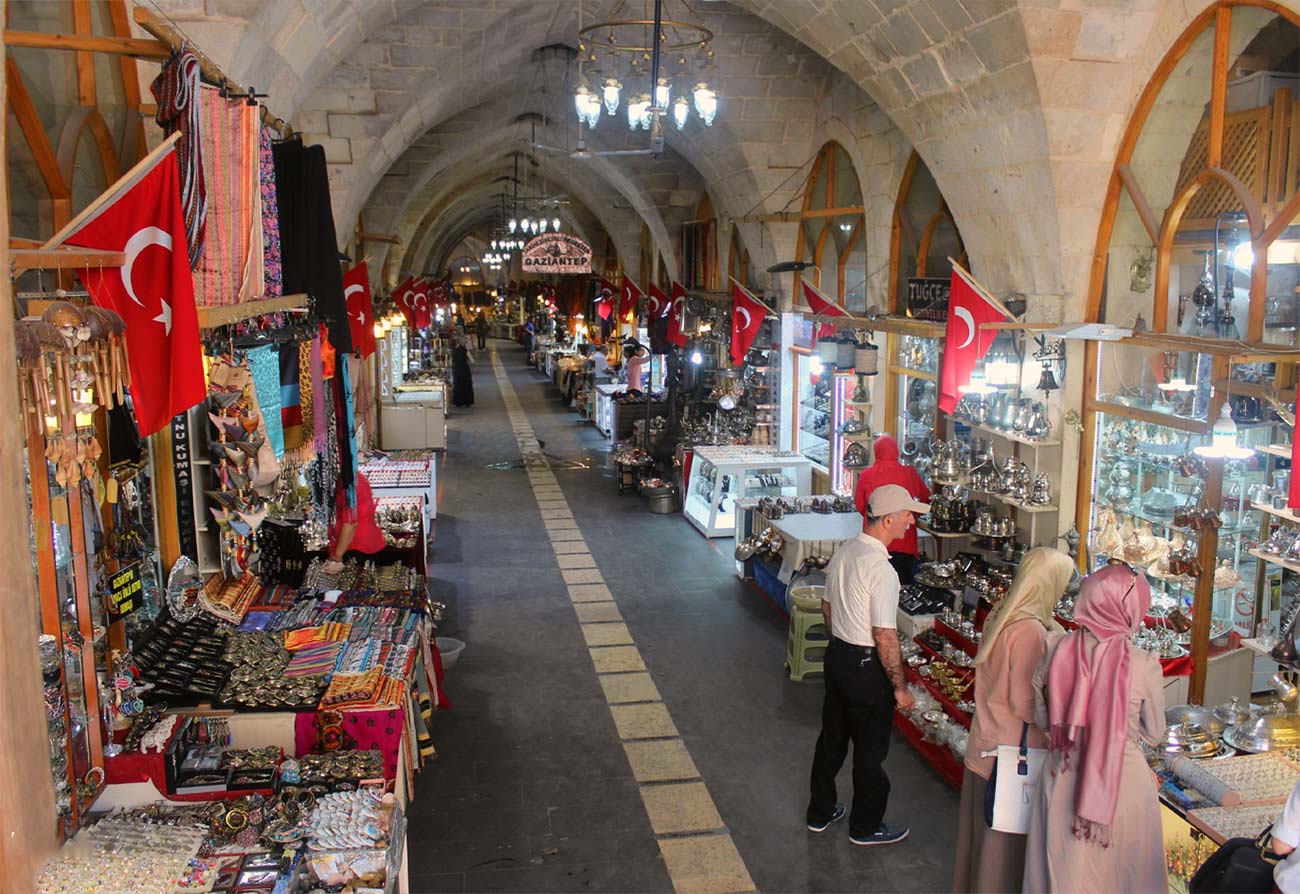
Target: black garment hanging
[308,243]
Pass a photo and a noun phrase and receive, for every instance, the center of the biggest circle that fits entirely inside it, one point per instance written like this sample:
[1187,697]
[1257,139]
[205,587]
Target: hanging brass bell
[1047,381]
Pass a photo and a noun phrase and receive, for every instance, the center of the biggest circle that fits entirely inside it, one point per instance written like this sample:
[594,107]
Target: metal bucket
[662,500]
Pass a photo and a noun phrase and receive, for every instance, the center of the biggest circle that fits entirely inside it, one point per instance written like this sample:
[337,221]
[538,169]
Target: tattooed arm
[892,659]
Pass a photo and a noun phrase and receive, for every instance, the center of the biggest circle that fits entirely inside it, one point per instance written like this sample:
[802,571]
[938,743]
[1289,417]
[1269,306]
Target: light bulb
[696,357]
[662,91]
[611,92]
[815,364]
[542,224]
[706,103]
[555,224]
[681,111]
[506,256]
[513,224]
[1243,256]
[494,245]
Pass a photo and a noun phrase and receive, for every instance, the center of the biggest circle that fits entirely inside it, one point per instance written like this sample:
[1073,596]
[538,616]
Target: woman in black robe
[462,380]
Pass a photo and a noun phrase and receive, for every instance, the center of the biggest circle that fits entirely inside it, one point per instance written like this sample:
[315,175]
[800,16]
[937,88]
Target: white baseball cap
[889,498]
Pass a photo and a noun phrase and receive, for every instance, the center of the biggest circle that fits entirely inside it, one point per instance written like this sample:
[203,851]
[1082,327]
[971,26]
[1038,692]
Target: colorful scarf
[264,362]
[176,90]
[1088,693]
[271,264]
[1040,582]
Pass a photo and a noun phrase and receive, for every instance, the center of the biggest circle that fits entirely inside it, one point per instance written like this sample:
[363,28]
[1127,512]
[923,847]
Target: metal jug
[1038,426]
[1024,409]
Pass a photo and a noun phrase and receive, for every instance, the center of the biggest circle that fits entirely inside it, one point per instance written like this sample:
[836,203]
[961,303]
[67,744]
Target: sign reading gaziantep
[557,253]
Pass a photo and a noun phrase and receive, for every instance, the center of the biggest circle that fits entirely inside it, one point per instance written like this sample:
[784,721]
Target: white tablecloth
[813,534]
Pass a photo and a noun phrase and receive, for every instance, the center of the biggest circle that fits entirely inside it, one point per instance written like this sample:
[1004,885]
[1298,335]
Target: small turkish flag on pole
[676,308]
[818,301]
[631,295]
[153,291]
[659,304]
[361,313]
[420,303]
[964,343]
[402,298]
[747,314]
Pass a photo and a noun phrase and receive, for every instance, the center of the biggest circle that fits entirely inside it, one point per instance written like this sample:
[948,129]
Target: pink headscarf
[1088,692]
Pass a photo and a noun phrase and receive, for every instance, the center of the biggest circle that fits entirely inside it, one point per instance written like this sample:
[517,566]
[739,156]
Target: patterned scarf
[176,90]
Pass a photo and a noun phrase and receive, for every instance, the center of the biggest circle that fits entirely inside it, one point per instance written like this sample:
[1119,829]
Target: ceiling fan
[580,150]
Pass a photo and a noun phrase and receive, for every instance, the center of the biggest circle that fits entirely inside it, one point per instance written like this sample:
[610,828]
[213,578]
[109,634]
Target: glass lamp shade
[512,224]
[638,113]
[542,224]
[555,224]
[494,245]
[581,96]
[611,90]
[681,111]
[706,103]
[828,350]
[662,92]
[526,225]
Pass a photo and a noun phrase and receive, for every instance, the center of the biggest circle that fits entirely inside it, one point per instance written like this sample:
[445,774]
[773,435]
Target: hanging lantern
[845,352]
[512,224]
[828,350]
[611,92]
[706,103]
[662,91]
[866,359]
[555,224]
[681,111]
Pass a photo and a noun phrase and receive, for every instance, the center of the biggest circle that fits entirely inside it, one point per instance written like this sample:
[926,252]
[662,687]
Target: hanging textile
[230,267]
[290,395]
[176,91]
[347,434]
[319,394]
[306,392]
[308,245]
[264,361]
[270,217]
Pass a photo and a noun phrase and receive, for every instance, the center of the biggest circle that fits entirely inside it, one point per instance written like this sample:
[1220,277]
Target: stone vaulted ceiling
[1015,106]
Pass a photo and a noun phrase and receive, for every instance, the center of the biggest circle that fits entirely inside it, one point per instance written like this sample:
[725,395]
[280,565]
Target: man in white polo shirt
[864,671]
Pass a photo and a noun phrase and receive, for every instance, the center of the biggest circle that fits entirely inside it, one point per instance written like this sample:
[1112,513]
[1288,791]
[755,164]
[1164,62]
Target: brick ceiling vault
[1016,106]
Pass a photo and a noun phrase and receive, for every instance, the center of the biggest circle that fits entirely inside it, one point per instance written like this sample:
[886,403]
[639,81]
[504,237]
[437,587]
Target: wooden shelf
[1276,560]
[1023,507]
[943,535]
[1281,450]
[914,373]
[1284,514]
[224,315]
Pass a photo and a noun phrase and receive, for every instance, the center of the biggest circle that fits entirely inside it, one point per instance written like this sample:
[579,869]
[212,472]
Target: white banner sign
[557,253]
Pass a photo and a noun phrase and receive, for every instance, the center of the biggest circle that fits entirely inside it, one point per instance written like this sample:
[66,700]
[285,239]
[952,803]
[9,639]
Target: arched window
[924,235]
[831,227]
[700,248]
[1206,186]
[738,259]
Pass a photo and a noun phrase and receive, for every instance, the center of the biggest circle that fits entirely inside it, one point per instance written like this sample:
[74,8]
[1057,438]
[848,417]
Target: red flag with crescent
[964,343]
[659,304]
[402,298]
[631,294]
[818,301]
[153,290]
[677,307]
[420,303]
[747,315]
[361,314]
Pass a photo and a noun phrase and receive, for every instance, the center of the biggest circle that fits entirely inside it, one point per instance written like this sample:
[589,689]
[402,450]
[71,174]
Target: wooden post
[27,826]
[1203,601]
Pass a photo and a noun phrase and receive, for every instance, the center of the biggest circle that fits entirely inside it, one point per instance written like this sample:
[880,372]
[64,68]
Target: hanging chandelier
[624,60]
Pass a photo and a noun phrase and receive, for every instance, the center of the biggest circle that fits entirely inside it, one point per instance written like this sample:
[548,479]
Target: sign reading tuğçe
[557,253]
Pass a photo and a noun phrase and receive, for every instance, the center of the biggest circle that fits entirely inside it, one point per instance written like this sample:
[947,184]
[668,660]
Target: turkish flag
[604,309]
[964,344]
[361,313]
[659,304]
[402,298]
[153,290]
[631,295]
[420,303]
[818,301]
[747,315]
[677,307]
[607,290]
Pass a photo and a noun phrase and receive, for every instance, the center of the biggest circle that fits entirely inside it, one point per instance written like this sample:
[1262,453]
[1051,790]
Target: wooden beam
[85,61]
[1192,426]
[1290,211]
[379,237]
[63,259]
[1028,327]
[135,47]
[1218,86]
[796,216]
[211,317]
[20,101]
[1150,222]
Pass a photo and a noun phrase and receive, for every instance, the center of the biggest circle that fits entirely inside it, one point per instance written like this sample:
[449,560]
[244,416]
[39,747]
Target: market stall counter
[720,476]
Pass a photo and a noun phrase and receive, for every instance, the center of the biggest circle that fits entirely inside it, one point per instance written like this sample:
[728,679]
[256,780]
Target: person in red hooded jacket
[886,469]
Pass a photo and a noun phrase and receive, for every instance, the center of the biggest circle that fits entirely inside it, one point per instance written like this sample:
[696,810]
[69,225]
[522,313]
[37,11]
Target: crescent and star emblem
[748,318]
[361,314]
[421,300]
[964,315]
[139,241]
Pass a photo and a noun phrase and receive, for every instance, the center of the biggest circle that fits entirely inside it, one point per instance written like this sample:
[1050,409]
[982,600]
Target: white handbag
[1015,783]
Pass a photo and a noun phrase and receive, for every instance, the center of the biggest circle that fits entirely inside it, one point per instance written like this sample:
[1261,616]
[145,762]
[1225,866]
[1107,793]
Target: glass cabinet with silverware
[912,404]
[1189,457]
[814,410]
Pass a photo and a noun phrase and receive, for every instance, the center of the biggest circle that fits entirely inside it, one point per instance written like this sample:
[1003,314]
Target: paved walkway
[622,721]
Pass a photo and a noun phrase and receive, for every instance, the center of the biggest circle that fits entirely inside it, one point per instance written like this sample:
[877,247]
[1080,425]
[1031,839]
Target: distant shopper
[462,379]
[1095,825]
[886,469]
[530,334]
[1015,639]
[864,672]
[636,369]
[481,330]
[600,363]
[354,531]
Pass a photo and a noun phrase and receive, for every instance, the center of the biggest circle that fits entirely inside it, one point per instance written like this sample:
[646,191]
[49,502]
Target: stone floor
[532,789]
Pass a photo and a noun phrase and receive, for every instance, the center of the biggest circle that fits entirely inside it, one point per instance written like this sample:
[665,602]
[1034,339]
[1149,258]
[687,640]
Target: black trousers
[858,708]
[482,340]
[905,565]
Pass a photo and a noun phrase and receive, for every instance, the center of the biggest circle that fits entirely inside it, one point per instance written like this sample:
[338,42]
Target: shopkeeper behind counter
[354,530]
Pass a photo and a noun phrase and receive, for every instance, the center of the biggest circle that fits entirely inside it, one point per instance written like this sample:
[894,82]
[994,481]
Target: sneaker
[835,818]
[886,834]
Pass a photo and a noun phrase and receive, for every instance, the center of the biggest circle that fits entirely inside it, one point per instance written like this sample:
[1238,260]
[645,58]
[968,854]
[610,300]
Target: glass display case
[814,410]
[915,371]
[842,409]
[722,475]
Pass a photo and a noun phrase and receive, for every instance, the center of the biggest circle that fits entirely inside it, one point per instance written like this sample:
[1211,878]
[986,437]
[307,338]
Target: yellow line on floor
[697,848]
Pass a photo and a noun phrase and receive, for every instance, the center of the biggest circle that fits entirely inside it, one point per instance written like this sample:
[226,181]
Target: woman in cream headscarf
[1015,639]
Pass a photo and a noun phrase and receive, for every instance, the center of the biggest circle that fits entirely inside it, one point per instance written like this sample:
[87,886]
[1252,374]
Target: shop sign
[183,474]
[125,591]
[927,298]
[557,253]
